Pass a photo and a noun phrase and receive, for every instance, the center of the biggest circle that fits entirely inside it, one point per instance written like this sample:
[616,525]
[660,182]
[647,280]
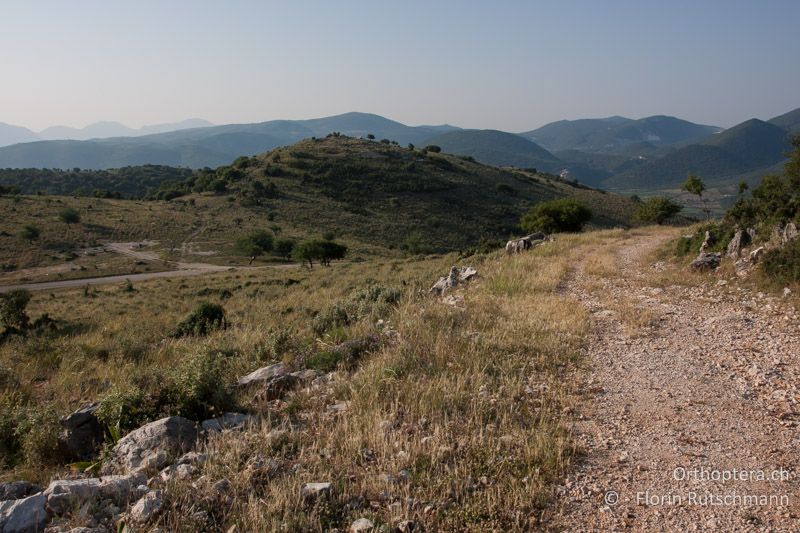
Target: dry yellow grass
[459,425]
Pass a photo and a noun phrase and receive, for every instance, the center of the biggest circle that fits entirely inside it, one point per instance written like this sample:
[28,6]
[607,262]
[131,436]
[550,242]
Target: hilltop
[609,135]
[497,148]
[384,194]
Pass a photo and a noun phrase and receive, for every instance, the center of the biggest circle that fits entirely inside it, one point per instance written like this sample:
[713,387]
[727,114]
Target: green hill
[205,146]
[384,194]
[609,135]
[497,148]
[722,158]
[788,121]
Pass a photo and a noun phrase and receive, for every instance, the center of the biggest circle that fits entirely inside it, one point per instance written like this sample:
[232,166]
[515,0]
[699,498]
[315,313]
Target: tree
[371,137]
[69,216]
[565,214]
[656,209]
[433,148]
[30,233]
[307,251]
[320,250]
[743,186]
[284,247]
[255,244]
[694,185]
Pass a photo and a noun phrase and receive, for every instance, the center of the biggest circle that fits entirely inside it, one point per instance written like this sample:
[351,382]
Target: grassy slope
[380,193]
[485,383]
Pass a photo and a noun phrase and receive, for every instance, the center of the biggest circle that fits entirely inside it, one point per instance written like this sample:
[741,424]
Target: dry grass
[459,425]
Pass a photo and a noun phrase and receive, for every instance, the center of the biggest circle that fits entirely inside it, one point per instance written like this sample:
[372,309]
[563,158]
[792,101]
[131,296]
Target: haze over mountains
[619,153]
[10,134]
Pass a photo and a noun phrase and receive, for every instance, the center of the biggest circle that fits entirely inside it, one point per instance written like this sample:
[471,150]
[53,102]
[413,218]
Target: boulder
[361,525]
[16,490]
[790,233]
[152,446]
[228,421]
[516,246]
[64,495]
[83,433]
[457,275]
[262,375]
[708,240]
[26,515]
[706,261]
[315,490]
[757,254]
[734,249]
[147,507]
[275,388]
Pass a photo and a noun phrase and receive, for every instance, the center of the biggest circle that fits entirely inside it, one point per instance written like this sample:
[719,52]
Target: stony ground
[684,384]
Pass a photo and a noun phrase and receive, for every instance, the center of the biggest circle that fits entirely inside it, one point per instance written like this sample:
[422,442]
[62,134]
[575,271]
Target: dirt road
[688,424]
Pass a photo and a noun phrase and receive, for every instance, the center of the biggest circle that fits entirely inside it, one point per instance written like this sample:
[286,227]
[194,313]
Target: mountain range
[17,134]
[616,153]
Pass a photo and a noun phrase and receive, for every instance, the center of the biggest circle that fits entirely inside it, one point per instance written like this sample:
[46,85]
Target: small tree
[255,244]
[656,209]
[433,148]
[307,251]
[320,250]
[565,214]
[284,247]
[694,185]
[69,216]
[371,137]
[30,233]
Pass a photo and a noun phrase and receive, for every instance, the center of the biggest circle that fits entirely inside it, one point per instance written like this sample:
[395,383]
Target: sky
[510,65]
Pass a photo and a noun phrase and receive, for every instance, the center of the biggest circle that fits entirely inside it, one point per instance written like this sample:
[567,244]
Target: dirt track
[710,389]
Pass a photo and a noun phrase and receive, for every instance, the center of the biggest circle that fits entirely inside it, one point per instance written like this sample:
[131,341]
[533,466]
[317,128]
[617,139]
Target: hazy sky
[511,65]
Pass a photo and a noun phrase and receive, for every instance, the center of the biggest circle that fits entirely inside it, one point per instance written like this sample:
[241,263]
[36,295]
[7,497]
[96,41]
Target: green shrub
[657,209]
[564,214]
[69,216]
[782,265]
[345,354]
[207,317]
[200,387]
[12,310]
[370,302]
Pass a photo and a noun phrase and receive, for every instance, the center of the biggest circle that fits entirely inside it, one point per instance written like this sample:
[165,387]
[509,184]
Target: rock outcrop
[706,261]
[26,515]
[456,276]
[516,246]
[83,433]
[152,446]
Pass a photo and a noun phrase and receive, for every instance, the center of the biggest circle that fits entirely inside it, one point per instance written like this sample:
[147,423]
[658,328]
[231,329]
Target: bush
[782,265]
[30,233]
[207,317]
[657,209]
[12,310]
[196,389]
[345,354]
[565,214]
[69,216]
[200,387]
[374,302]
